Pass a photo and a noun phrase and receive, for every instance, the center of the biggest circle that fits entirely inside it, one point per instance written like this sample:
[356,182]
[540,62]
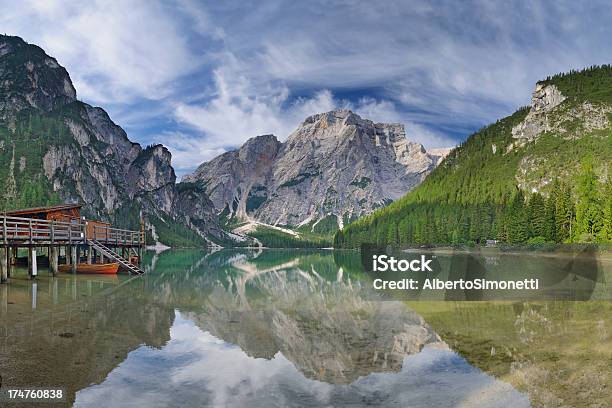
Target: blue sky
[202,77]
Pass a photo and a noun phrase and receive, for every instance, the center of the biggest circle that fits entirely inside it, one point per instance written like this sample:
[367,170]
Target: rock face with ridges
[545,98]
[335,164]
[91,159]
[233,179]
[30,78]
[548,113]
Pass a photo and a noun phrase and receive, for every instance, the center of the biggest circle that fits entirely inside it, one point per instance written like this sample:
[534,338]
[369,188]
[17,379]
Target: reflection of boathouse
[61,231]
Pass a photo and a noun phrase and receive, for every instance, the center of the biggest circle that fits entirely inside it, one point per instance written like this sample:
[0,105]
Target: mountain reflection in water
[287,328]
[198,369]
[284,329]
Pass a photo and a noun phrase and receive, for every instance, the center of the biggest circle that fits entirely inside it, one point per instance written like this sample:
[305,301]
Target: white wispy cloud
[433,67]
[239,109]
[205,76]
[187,151]
[386,112]
[116,51]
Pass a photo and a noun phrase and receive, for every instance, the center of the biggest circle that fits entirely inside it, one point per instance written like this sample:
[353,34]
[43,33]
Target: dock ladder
[109,253]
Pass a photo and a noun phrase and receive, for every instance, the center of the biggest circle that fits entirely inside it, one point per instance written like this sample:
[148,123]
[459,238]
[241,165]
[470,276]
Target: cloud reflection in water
[197,369]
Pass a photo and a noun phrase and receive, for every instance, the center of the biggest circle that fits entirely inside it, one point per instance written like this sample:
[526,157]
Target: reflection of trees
[79,343]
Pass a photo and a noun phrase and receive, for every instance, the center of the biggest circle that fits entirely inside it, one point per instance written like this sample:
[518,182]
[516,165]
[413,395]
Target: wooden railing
[24,230]
[107,234]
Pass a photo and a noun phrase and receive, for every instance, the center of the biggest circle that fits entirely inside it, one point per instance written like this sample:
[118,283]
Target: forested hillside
[540,175]
[21,156]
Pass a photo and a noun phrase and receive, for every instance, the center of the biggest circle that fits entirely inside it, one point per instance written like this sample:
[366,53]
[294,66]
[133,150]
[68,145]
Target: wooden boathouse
[63,234]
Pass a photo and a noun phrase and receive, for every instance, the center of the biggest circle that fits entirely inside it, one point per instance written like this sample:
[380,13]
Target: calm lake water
[303,328]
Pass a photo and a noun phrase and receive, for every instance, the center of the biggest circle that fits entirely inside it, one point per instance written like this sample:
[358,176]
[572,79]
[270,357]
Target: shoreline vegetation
[604,252]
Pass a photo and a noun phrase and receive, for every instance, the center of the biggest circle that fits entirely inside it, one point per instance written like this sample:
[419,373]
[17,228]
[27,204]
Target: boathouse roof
[43,210]
[52,208]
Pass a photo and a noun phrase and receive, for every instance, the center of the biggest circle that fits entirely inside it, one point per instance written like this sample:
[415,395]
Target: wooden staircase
[109,253]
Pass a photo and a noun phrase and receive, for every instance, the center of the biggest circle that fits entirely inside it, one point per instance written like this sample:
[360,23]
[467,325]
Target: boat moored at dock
[103,269]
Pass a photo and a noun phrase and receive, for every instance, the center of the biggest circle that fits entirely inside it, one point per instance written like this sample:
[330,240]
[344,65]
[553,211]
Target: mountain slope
[334,168]
[541,174]
[54,148]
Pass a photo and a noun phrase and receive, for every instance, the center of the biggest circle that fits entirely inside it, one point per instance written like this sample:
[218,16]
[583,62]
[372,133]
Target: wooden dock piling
[73,258]
[34,295]
[3,301]
[55,292]
[53,260]
[3,265]
[11,260]
[32,264]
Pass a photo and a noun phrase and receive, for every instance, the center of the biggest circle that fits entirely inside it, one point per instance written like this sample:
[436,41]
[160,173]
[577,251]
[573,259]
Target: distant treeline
[582,215]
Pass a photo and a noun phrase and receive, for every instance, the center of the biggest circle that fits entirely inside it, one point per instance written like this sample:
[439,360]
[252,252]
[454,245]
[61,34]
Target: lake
[304,328]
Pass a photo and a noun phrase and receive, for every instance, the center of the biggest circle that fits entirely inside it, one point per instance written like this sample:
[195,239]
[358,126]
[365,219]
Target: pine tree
[518,230]
[474,222]
[455,240]
[605,234]
[403,231]
[550,220]
[380,234]
[564,213]
[391,234]
[537,216]
[588,210]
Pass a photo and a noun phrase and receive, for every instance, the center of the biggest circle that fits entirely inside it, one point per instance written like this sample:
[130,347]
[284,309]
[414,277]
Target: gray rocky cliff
[30,78]
[89,159]
[554,113]
[545,97]
[235,179]
[548,113]
[335,166]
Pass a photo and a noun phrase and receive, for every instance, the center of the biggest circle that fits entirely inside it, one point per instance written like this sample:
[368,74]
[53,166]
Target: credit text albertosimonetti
[385,263]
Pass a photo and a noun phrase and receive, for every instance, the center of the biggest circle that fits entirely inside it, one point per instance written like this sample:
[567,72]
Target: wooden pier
[61,234]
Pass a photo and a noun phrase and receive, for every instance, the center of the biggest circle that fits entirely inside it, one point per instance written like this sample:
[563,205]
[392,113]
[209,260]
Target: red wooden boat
[104,269]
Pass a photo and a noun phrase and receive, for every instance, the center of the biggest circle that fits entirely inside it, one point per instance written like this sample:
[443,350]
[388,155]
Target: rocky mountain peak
[545,97]
[330,130]
[329,117]
[29,78]
[262,147]
[335,165]
[338,120]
